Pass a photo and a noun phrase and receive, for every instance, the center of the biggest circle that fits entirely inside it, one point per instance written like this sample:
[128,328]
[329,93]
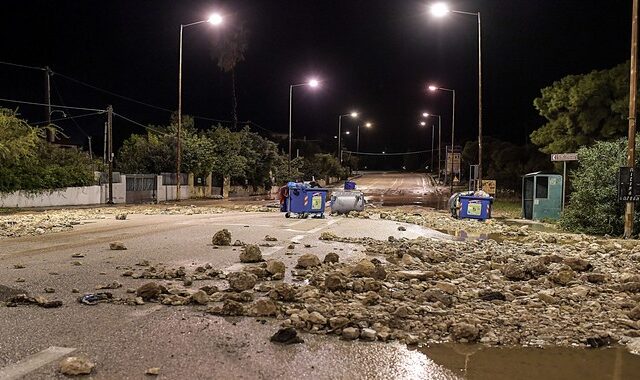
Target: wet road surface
[397,189]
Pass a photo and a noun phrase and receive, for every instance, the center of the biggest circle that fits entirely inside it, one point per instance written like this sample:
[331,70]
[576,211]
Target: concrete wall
[87,195]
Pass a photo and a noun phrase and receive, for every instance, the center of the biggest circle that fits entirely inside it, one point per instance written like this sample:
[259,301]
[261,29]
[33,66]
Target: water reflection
[476,362]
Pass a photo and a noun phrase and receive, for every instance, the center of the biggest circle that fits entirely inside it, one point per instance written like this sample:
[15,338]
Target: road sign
[564,157]
[628,185]
[456,157]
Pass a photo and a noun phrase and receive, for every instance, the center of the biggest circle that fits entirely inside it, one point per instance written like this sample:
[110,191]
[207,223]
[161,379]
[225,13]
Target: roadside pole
[631,147]
[110,151]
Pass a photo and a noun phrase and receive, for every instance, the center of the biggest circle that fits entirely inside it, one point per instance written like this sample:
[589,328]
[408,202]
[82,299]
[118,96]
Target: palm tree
[229,49]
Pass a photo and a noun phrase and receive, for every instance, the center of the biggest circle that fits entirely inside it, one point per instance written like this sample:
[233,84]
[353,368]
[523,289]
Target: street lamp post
[214,19]
[453,124]
[313,83]
[353,115]
[441,10]
[368,125]
[426,114]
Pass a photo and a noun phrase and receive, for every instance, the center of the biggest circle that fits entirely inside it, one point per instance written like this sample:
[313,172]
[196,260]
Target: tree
[151,153]
[17,138]
[594,207]
[227,146]
[322,166]
[581,109]
[229,49]
[261,155]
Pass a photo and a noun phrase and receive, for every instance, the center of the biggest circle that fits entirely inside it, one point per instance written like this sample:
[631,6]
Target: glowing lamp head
[425,114]
[422,123]
[215,19]
[354,114]
[313,83]
[347,133]
[440,9]
[368,125]
[433,88]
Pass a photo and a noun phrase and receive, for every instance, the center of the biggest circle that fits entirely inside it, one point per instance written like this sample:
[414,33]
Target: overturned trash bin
[300,199]
[343,202]
[471,205]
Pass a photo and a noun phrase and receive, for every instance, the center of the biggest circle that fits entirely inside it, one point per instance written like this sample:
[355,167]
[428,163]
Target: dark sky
[375,56]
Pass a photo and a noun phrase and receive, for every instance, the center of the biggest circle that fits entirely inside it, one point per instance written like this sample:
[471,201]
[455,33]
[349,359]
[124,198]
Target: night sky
[376,56]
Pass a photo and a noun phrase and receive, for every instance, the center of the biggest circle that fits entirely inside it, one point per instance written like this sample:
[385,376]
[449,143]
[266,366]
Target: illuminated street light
[423,123]
[214,19]
[347,133]
[427,114]
[353,115]
[313,83]
[440,10]
[433,88]
[368,125]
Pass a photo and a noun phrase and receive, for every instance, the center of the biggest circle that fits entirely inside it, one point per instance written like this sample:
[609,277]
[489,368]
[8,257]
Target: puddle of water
[477,362]
[433,201]
[533,226]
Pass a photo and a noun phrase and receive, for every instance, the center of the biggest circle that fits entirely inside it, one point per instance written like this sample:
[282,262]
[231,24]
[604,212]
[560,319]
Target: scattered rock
[563,276]
[464,332]
[331,257]
[49,290]
[364,268]
[270,238]
[121,216]
[76,365]
[577,264]
[222,238]
[489,295]
[148,291]
[18,266]
[350,333]
[200,297]
[287,335]
[274,267]
[334,282]
[239,281]
[514,272]
[154,371]
[368,334]
[402,228]
[264,308]
[238,243]
[251,254]
[308,260]
[117,246]
[634,313]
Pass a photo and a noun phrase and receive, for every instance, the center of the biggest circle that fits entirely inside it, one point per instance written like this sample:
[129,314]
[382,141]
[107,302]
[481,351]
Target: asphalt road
[396,189]
[183,341]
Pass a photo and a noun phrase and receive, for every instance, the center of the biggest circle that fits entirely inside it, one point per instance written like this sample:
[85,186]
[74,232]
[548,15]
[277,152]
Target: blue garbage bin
[304,201]
[349,185]
[475,207]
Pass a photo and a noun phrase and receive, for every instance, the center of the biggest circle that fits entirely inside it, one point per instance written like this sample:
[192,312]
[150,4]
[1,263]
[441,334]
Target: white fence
[70,196]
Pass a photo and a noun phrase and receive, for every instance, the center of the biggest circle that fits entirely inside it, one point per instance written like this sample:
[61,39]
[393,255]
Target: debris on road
[24,299]
[308,260]
[76,365]
[117,246]
[92,299]
[154,371]
[402,228]
[287,335]
[270,238]
[121,216]
[221,238]
[250,254]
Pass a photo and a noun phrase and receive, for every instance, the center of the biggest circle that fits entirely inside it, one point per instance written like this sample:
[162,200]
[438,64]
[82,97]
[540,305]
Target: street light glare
[433,88]
[425,114]
[368,125]
[439,9]
[347,133]
[215,19]
[354,114]
[314,83]
[423,123]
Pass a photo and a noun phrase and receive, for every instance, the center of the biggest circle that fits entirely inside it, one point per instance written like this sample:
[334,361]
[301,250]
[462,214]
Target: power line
[388,154]
[23,66]
[71,117]
[52,105]
[140,124]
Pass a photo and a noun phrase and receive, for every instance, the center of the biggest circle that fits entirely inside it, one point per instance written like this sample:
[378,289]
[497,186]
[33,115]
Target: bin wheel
[287,215]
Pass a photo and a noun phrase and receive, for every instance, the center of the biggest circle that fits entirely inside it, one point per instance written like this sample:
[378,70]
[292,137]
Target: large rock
[308,260]
[76,365]
[283,292]
[578,264]
[334,282]
[222,237]
[634,313]
[514,272]
[200,297]
[563,276]
[364,268]
[239,281]
[368,334]
[264,308]
[149,291]
[317,318]
[275,266]
[287,335]
[350,333]
[251,254]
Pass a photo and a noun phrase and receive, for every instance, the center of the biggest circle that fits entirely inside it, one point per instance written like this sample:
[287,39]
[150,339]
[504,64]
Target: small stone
[76,365]
[634,313]
[239,281]
[578,264]
[291,246]
[149,291]
[154,371]
[49,290]
[18,266]
[117,246]
[283,292]
[364,268]
[251,254]
[20,279]
[447,287]
[75,290]
[563,276]
[402,228]
[328,235]
[121,216]
[368,334]
[596,278]
[308,260]
[489,295]
[331,257]
[238,243]
[317,318]
[350,333]
[465,331]
[275,266]
[334,282]
[77,255]
[222,238]
[287,335]
[547,297]
[76,263]
[270,238]
[338,322]
[200,297]
[264,308]
[514,272]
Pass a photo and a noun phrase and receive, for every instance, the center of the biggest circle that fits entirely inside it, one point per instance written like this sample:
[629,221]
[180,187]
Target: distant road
[398,188]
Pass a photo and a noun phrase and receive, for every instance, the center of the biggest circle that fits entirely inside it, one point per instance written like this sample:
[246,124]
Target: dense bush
[594,207]
[27,162]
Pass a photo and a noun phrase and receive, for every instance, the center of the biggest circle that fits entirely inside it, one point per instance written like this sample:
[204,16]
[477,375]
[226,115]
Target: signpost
[564,157]
[628,185]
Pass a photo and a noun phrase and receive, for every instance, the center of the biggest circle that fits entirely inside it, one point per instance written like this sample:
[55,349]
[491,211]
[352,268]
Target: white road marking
[294,223]
[33,362]
[271,250]
[292,230]
[330,222]
[239,224]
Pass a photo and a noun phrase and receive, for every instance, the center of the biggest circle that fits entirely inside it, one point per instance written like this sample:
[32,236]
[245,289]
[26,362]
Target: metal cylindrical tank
[343,202]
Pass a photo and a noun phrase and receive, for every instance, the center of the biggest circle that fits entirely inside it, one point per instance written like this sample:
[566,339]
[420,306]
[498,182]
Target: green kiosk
[541,196]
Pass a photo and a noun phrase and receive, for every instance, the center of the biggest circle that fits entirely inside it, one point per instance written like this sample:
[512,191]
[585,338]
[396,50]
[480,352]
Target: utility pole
[90,149]
[433,134]
[104,145]
[47,88]
[110,151]
[479,184]
[631,147]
